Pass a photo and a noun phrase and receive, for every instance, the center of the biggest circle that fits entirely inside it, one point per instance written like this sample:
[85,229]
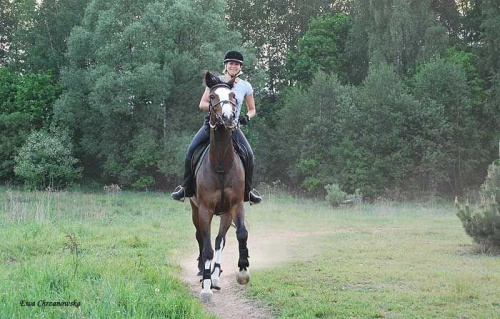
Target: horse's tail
[246,223]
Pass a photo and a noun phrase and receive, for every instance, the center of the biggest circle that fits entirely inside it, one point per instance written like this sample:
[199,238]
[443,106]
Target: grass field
[122,260]
[117,255]
[378,261]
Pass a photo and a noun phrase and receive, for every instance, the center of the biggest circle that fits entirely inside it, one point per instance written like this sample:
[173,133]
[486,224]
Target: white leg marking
[218,252]
[216,271]
[206,291]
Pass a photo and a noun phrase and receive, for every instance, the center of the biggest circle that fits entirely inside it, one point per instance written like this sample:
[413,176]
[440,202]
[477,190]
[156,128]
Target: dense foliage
[26,104]
[46,160]
[386,97]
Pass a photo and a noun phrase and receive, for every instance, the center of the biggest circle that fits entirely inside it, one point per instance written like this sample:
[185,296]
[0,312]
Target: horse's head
[222,102]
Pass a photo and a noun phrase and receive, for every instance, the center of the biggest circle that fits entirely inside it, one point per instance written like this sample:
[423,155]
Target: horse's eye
[212,96]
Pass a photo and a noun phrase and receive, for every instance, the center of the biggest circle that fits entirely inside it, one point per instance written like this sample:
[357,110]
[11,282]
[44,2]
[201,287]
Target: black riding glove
[244,120]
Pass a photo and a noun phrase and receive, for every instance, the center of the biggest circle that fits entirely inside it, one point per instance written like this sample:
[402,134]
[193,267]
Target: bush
[491,188]
[483,223]
[46,160]
[334,195]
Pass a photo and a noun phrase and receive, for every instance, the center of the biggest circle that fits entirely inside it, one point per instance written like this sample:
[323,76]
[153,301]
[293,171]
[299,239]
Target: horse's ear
[210,79]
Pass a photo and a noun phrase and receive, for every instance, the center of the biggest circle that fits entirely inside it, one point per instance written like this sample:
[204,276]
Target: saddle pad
[198,159]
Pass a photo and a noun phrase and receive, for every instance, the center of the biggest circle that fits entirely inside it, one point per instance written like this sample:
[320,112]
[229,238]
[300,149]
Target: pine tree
[483,223]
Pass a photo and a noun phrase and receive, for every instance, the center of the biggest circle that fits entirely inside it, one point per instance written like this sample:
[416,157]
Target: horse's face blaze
[223,97]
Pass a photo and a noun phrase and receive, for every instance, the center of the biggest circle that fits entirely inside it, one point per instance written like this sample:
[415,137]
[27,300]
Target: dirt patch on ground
[266,251]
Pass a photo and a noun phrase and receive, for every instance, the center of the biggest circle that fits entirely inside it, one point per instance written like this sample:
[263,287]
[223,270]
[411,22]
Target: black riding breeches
[246,154]
[202,137]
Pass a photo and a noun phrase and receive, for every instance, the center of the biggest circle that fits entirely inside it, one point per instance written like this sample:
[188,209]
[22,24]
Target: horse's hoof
[206,296]
[216,283]
[243,277]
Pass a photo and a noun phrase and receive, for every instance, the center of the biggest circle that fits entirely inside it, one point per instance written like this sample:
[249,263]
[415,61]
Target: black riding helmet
[233,56]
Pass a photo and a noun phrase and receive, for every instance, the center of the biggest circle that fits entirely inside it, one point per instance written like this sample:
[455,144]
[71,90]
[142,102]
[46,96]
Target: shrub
[334,195]
[491,188]
[46,160]
[483,223]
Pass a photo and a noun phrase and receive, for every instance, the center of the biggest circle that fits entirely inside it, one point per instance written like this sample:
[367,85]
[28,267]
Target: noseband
[218,118]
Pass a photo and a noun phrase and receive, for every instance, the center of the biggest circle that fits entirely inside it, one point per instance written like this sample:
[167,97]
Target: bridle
[211,108]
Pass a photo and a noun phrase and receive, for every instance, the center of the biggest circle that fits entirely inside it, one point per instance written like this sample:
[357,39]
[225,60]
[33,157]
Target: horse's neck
[221,149]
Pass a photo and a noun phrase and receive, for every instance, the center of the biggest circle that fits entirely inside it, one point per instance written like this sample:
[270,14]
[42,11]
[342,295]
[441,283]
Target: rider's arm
[205,100]
[250,102]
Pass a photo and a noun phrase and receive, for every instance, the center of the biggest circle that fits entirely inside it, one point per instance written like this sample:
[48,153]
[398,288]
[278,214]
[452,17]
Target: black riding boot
[251,195]
[187,189]
[246,155]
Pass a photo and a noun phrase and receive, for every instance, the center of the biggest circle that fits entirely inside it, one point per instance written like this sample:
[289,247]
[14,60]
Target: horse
[220,186]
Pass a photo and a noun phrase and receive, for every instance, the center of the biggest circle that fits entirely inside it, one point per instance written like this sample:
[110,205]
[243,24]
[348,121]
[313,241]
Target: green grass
[376,261]
[125,264]
[385,260]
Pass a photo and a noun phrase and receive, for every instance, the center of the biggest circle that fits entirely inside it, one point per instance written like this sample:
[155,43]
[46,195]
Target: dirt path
[230,302]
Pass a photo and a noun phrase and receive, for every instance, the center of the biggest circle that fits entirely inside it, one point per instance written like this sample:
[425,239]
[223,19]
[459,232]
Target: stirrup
[256,196]
[177,192]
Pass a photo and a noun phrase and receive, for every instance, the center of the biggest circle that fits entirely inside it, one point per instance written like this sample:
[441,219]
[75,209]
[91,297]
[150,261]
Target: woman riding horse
[220,188]
[233,62]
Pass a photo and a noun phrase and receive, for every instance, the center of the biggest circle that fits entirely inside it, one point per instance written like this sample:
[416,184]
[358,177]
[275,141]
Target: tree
[7,22]
[309,129]
[133,83]
[398,32]
[46,40]
[483,222]
[471,19]
[274,27]
[26,104]
[491,36]
[320,49]
[444,82]
[15,18]
[46,160]
[376,149]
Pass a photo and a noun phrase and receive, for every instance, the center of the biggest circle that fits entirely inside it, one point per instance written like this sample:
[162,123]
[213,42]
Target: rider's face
[233,68]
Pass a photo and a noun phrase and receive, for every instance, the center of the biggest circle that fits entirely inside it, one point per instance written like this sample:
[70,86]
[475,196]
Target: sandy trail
[265,250]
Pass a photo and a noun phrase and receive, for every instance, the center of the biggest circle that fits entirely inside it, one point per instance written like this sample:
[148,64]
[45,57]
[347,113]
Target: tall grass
[115,254]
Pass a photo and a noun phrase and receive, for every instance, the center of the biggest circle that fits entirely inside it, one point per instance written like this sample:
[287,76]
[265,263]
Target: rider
[233,62]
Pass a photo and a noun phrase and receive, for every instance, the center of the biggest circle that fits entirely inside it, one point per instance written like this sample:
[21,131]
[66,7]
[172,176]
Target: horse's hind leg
[220,242]
[243,276]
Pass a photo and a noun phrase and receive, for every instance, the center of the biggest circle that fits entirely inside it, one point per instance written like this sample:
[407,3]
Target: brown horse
[220,186]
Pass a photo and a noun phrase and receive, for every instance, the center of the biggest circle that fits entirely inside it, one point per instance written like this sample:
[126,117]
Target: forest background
[394,98]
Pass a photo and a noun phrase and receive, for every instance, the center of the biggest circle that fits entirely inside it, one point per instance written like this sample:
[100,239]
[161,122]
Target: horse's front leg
[196,222]
[220,242]
[207,254]
[243,276]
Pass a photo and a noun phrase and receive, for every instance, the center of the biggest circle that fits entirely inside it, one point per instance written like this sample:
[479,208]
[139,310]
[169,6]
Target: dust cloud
[266,250]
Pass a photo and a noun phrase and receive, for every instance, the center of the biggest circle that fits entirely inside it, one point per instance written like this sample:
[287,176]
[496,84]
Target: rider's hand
[244,120]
